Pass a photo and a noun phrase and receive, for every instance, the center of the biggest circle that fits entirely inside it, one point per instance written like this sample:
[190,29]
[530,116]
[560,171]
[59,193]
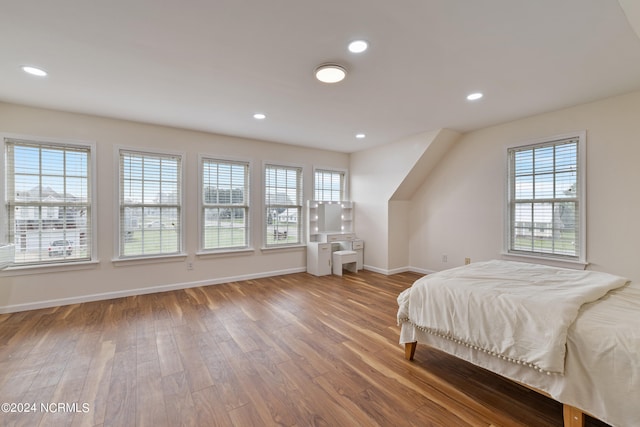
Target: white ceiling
[210,64]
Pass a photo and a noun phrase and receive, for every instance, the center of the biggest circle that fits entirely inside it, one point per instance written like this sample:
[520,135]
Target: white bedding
[513,310]
[602,366]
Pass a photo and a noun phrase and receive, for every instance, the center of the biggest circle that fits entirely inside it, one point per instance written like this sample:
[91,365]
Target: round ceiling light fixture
[34,71]
[358,46]
[474,96]
[259,116]
[330,73]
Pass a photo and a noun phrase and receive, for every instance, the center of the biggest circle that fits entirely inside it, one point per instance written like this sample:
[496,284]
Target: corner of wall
[382,181]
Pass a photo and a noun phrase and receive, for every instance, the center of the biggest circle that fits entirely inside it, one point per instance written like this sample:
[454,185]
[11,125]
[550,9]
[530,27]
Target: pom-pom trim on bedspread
[457,340]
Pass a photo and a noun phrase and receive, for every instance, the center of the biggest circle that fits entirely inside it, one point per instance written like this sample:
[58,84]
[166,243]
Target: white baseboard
[142,291]
[376,269]
[421,270]
[398,270]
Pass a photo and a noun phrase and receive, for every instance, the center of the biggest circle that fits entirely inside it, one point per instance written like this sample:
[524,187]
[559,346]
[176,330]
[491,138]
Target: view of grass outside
[151,241]
[282,234]
[226,233]
[225,204]
[564,245]
[150,231]
[150,203]
[544,198]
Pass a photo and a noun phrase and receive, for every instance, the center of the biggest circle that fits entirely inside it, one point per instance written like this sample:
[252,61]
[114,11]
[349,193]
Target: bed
[572,335]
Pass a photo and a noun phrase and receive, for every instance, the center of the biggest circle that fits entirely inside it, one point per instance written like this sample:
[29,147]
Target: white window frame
[580,258]
[299,206]
[119,206]
[344,193]
[202,158]
[6,236]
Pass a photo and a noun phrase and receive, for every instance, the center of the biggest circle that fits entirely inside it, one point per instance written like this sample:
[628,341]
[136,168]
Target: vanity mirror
[328,218]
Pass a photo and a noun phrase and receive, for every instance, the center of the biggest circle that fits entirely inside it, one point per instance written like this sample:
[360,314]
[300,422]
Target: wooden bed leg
[573,417]
[410,350]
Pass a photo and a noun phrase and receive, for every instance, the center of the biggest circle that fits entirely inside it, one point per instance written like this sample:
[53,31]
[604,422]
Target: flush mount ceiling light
[34,71]
[259,116]
[358,46]
[361,135]
[330,73]
[474,96]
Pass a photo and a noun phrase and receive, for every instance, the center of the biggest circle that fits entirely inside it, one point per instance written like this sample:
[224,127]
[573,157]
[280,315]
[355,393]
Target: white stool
[347,259]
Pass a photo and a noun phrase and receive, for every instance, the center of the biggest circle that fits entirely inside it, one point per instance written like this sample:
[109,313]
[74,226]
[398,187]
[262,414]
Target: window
[546,199]
[49,201]
[150,204]
[283,205]
[328,185]
[225,204]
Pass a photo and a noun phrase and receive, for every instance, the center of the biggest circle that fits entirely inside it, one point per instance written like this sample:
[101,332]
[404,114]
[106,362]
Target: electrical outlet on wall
[444,258]
[189,265]
[467,261]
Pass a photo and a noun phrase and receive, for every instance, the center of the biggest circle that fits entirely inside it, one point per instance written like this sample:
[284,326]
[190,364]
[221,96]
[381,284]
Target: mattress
[602,362]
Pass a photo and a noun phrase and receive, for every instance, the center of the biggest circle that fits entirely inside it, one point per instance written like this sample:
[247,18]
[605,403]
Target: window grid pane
[48,201]
[225,196]
[283,205]
[150,204]
[544,205]
[328,186]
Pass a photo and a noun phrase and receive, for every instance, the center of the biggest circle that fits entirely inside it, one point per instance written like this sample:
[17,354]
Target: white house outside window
[546,199]
[225,204]
[49,201]
[150,204]
[283,205]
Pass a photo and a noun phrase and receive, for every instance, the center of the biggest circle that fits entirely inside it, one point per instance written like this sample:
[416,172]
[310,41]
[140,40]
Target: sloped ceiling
[631,10]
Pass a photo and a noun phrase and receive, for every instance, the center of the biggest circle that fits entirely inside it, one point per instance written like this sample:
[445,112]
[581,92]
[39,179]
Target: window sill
[149,259]
[295,246]
[225,252]
[554,262]
[23,270]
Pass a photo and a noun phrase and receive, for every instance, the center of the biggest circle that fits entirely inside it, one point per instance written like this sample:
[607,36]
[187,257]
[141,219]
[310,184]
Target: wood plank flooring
[295,350]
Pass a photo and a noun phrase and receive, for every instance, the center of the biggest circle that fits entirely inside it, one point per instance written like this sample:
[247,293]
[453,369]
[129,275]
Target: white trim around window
[224,205]
[328,189]
[149,204]
[545,201]
[283,202]
[48,192]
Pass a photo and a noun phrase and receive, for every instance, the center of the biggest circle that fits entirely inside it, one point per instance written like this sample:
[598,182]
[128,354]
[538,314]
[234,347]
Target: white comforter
[516,311]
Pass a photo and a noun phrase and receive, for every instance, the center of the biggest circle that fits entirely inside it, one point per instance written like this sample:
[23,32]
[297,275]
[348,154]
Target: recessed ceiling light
[34,71]
[259,116]
[330,73]
[361,136]
[358,46]
[474,96]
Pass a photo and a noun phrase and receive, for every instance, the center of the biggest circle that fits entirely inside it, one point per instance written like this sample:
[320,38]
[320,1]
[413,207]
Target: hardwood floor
[295,350]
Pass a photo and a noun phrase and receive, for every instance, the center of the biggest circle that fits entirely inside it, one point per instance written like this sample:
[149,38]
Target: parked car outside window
[60,247]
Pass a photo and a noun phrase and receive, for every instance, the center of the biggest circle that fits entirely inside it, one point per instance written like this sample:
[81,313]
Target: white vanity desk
[330,229]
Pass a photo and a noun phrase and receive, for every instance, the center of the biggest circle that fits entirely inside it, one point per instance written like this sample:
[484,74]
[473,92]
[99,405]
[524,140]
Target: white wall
[458,210]
[383,180]
[375,175]
[42,287]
